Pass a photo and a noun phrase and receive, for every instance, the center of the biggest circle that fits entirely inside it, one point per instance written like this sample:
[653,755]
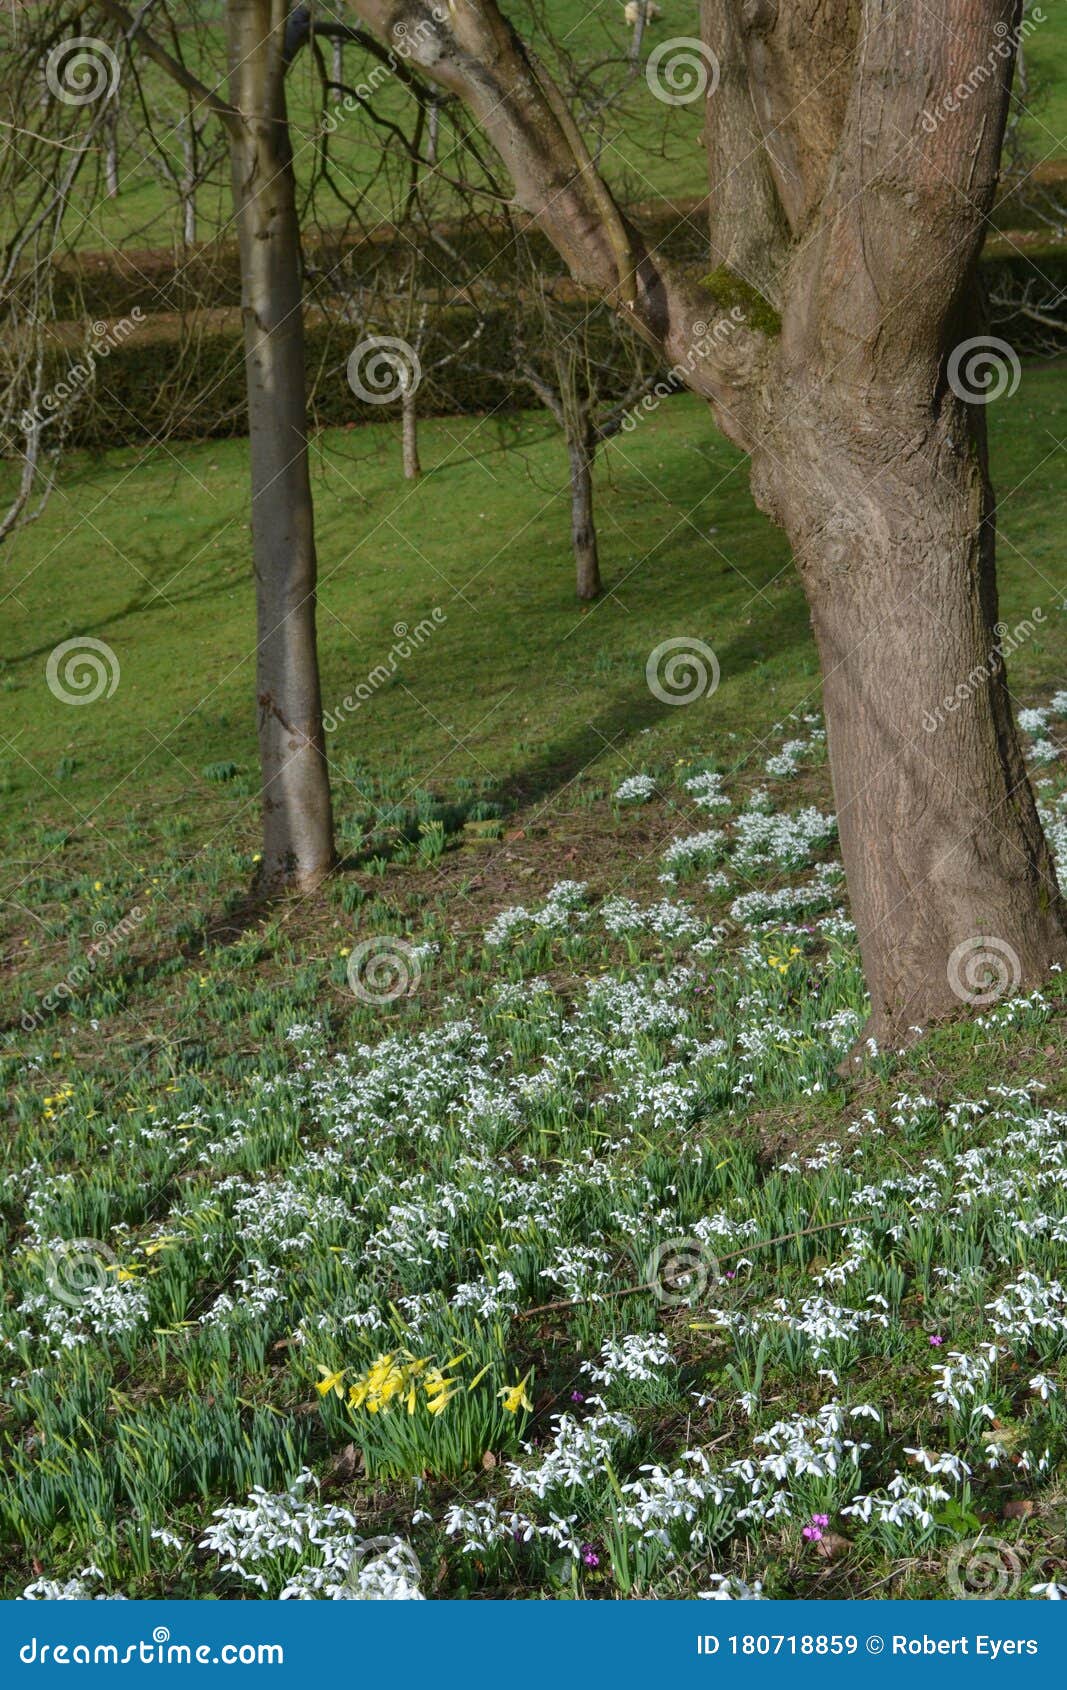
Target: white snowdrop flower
[787,761]
[1030,1463]
[729,1588]
[1043,1386]
[298,1549]
[690,851]
[1032,721]
[639,1357]
[576,1456]
[763,838]
[1043,751]
[903,1503]
[621,915]
[759,908]
[948,1463]
[76,1589]
[706,790]
[636,789]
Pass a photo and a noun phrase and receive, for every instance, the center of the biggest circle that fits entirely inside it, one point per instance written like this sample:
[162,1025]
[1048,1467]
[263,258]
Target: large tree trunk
[297,823]
[951,883]
[582,450]
[854,149]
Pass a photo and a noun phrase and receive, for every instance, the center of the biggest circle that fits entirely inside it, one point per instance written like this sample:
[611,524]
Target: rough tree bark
[298,846]
[848,223]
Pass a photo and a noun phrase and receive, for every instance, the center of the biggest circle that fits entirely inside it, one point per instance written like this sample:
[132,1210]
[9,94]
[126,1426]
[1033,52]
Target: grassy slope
[1046,53]
[151,555]
[524,703]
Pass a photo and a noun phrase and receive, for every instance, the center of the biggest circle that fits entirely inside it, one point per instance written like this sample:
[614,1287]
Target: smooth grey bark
[298,849]
[409,428]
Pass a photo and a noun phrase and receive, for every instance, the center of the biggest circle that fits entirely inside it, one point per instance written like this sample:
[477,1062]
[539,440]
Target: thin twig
[726,1256]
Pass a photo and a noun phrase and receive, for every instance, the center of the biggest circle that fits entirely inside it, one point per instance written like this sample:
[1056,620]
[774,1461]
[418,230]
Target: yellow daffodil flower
[330,1382]
[514,1397]
[436,1404]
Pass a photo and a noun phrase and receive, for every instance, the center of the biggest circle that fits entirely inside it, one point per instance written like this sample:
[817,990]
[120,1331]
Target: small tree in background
[587,369]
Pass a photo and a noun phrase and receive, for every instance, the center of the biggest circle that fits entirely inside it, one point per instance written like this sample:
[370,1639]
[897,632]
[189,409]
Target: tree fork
[861,223]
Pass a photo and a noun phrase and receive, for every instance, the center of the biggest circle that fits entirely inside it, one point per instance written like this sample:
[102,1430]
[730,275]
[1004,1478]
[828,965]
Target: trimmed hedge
[192,387]
[188,383]
[109,285]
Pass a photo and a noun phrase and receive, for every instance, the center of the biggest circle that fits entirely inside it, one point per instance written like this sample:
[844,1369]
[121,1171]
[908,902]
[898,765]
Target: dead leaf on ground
[1020,1509]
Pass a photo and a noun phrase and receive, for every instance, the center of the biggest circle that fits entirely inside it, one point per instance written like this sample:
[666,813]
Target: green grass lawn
[645,147]
[1046,107]
[545,1039]
[150,553]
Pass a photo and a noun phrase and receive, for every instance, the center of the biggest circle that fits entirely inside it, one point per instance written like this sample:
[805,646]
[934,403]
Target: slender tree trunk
[111,148]
[409,432]
[951,883]
[337,65]
[188,187]
[582,450]
[297,823]
[638,37]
